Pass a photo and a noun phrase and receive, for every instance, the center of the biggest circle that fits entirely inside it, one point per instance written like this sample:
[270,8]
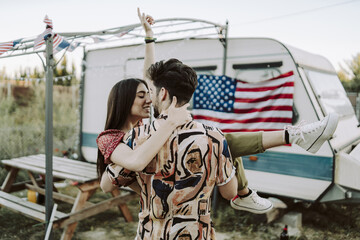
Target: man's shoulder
[198,126]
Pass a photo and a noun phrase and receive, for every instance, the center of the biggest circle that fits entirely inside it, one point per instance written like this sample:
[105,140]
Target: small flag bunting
[6,46]
[48,21]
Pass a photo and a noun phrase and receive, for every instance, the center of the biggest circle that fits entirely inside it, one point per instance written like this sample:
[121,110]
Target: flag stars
[214,92]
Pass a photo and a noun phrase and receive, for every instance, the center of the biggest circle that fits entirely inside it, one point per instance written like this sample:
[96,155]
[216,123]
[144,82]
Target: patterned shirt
[176,186]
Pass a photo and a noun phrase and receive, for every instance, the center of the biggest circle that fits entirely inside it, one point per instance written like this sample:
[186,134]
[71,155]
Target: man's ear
[163,94]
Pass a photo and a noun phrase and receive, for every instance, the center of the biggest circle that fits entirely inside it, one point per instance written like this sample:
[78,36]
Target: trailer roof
[310,60]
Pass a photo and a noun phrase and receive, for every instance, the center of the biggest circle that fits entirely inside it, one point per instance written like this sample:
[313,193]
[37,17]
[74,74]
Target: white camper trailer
[332,174]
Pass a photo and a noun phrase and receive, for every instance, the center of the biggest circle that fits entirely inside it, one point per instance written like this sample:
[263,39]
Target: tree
[61,74]
[351,78]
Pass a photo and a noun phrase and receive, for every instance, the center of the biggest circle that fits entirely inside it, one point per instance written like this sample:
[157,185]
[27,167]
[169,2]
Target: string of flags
[29,79]
[6,46]
[59,42]
[119,35]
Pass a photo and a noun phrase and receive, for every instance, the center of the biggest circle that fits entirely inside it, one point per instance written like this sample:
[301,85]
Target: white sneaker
[252,203]
[313,135]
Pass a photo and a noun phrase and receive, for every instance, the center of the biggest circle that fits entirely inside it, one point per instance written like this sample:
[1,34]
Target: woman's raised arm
[146,21]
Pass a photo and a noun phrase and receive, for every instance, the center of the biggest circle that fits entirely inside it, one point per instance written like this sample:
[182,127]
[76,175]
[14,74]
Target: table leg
[123,207]
[33,180]
[9,180]
[86,190]
[54,188]
[80,201]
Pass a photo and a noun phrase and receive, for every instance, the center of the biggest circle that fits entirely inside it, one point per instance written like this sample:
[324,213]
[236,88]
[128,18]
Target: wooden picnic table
[83,173]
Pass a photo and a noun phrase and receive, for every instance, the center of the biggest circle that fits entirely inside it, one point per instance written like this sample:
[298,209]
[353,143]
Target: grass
[22,121]
[325,221]
[16,226]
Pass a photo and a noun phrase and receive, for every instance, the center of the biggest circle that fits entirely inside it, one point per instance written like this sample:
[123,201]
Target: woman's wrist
[150,40]
[149,34]
[171,123]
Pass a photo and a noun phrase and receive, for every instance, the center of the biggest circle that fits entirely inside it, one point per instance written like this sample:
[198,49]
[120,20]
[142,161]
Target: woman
[128,104]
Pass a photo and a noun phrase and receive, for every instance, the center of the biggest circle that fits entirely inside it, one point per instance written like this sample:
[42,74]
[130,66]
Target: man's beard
[156,112]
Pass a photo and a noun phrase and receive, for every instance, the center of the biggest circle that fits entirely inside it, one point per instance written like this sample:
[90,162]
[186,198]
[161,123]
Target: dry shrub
[22,126]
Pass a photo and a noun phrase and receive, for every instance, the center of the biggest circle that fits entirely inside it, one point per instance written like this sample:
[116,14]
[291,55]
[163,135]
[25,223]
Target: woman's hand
[178,115]
[146,22]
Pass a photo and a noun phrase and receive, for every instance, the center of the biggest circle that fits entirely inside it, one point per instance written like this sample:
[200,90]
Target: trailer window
[210,70]
[330,92]
[257,72]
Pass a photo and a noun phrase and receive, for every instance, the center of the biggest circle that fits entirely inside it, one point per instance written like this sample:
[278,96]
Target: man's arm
[226,180]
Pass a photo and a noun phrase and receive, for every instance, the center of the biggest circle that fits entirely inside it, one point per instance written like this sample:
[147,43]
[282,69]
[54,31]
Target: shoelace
[257,199]
[296,130]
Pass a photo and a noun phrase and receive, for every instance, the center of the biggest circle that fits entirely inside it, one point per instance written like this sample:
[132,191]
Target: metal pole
[224,42]
[225,47]
[49,130]
[81,107]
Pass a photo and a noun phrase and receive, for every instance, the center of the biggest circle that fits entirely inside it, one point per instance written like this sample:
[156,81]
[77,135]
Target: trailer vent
[205,68]
[258,65]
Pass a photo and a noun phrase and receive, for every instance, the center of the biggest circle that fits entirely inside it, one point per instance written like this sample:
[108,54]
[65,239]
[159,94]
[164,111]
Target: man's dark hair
[179,79]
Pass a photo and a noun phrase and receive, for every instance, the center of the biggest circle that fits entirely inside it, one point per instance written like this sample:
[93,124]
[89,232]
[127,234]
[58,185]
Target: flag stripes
[234,105]
[6,46]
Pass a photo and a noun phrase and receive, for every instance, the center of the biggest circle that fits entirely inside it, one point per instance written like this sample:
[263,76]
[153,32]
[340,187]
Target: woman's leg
[240,175]
[244,144]
[273,139]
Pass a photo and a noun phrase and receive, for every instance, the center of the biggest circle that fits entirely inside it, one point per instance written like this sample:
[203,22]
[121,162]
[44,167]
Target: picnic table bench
[82,172]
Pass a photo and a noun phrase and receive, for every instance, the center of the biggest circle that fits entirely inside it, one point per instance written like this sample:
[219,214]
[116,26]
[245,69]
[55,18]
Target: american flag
[59,42]
[6,46]
[48,21]
[233,105]
[40,39]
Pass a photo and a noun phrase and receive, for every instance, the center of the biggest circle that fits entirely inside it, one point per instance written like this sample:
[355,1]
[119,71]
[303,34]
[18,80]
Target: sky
[325,27]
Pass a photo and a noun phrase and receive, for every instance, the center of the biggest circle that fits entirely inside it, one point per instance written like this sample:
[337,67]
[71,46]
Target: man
[176,186]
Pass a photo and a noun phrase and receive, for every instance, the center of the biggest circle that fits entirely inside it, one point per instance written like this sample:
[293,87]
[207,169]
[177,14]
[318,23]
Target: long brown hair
[120,101]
